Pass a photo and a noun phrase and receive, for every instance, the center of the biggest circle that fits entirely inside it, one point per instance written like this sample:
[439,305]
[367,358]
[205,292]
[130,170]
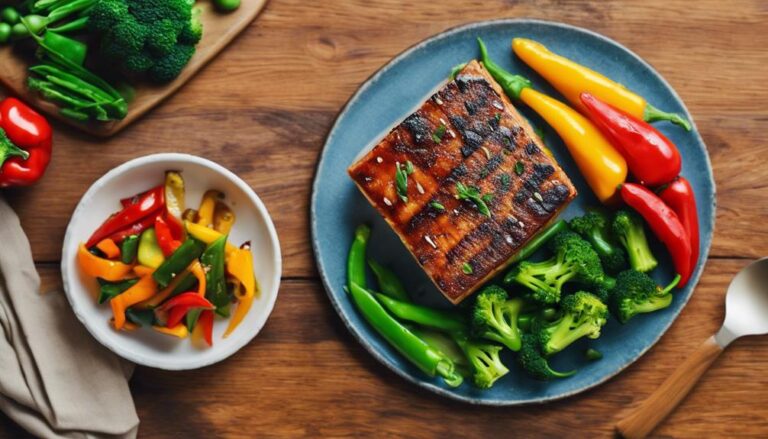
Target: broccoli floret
[124,39]
[533,362]
[594,227]
[582,315]
[105,14]
[629,229]
[574,260]
[162,37]
[150,11]
[484,358]
[494,317]
[636,293]
[169,67]
[192,33]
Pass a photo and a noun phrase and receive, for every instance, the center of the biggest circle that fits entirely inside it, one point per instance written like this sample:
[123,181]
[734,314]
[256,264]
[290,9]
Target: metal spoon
[746,313]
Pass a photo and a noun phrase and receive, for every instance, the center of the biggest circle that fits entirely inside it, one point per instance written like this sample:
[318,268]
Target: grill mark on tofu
[484,139]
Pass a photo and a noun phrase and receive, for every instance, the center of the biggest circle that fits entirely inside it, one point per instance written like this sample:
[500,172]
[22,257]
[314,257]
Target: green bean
[428,359]
[356,259]
[388,281]
[429,317]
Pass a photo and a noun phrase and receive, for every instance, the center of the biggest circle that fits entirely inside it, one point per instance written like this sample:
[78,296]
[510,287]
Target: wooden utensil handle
[653,410]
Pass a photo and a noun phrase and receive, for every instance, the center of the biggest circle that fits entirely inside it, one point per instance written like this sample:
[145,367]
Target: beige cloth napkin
[55,379]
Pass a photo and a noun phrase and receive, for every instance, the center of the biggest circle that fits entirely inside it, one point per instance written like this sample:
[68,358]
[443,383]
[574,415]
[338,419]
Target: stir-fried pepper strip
[129,248]
[206,234]
[197,270]
[240,267]
[108,290]
[150,254]
[206,325]
[166,292]
[174,193]
[180,305]
[142,290]
[223,218]
[149,203]
[109,248]
[241,310]
[179,330]
[187,252]
[164,237]
[95,266]
[207,207]
[216,286]
[141,270]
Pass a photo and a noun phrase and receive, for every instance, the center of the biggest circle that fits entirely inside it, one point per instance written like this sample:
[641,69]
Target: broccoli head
[629,229]
[192,33]
[484,359]
[582,315]
[594,227]
[105,14]
[533,362]
[494,317]
[573,260]
[636,293]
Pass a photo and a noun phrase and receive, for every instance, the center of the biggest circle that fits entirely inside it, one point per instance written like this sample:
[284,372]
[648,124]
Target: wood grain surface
[263,108]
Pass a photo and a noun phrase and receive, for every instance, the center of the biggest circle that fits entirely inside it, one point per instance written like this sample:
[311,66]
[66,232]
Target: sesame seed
[387,202]
[442,121]
[487,152]
[455,212]
[379,160]
[513,219]
[538,197]
[419,188]
[452,134]
[438,101]
[498,105]
[509,240]
[429,240]
[521,224]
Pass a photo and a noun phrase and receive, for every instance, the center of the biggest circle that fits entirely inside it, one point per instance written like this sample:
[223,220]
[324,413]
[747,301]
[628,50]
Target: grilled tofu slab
[464,182]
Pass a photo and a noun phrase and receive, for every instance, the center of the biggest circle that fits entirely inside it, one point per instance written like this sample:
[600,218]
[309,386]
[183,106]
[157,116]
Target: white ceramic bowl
[145,346]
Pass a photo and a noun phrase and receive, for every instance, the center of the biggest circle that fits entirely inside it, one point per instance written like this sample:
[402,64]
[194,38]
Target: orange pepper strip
[243,306]
[179,330]
[142,290]
[127,326]
[197,270]
[109,248]
[95,266]
[142,270]
[240,266]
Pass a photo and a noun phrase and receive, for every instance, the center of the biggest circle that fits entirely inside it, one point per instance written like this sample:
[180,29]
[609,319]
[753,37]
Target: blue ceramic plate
[399,87]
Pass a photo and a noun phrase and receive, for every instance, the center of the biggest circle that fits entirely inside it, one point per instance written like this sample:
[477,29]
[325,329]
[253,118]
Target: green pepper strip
[129,248]
[388,281]
[187,252]
[356,259]
[429,360]
[432,318]
[108,290]
[141,317]
[534,244]
[216,286]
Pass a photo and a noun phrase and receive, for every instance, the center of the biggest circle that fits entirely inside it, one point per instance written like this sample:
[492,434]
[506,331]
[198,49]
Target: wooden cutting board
[218,30]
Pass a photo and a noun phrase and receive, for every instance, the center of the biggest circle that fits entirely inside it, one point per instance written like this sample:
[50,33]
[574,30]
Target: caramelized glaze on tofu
[468,139]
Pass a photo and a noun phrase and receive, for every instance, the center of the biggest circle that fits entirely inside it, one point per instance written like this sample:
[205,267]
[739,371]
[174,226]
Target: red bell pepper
[206,325]
[164,237]
[651,157]
[134,229]
[25,144]
[149,203]
[680,197]
[665,225]
[180,305]
[175,225]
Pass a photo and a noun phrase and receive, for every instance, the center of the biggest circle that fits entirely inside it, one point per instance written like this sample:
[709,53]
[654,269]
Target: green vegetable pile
[546,307]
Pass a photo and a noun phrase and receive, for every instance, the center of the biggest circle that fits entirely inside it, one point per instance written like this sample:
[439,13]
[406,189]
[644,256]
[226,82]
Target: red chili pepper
[664,223]
[180,305]
[164,237]
[25,144]
[206,324]
[651,157]
[680,197]
[149,203]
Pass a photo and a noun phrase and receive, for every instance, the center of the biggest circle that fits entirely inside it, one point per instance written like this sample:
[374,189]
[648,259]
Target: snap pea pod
[356,259]
[216,285]
[108,290]
[180,259]
[429,317]
[129,248]
[534,244]
[388,281]
[428,359]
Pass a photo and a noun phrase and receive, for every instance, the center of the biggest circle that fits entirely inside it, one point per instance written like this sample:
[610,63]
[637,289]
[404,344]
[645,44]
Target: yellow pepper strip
[142,290]
[142,271]
[207,207]
[206,235]
[223,218]
[197,270]
[95,266]
[243,306]
[109,248]
[572,79]
[240,266]
[600,164]
[179,330]
[127,326]
[174,193]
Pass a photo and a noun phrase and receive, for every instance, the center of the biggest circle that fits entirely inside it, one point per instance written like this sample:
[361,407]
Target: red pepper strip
[25,144]
[135,229]
[149,203]
[665,225]
[205,321]
[180,305]
[175,225]
[680,197]
[651,157]
[164,238]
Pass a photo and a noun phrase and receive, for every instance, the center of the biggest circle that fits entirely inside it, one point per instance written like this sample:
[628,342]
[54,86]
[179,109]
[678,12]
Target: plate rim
[260,207]
[371,81]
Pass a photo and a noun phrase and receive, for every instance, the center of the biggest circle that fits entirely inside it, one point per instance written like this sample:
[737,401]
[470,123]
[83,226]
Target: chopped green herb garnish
[487,198]
[505,181]
[593,354]
[519,168]
[539,132]
[401,182]
[498,117]
[409,167]
[471,193]
[437,206]
[456,69]
[467,268]
[437,136]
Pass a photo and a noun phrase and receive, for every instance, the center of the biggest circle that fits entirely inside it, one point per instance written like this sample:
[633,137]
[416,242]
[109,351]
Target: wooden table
[263,109]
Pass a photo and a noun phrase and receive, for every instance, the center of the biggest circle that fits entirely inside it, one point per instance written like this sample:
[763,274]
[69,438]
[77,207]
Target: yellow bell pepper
[223,218]
[197,270]
[207,207]
[240,266]
[174,193]
[179,330]
[206,235]
[243,306]
[142,290]
[95,266]
[572,79]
